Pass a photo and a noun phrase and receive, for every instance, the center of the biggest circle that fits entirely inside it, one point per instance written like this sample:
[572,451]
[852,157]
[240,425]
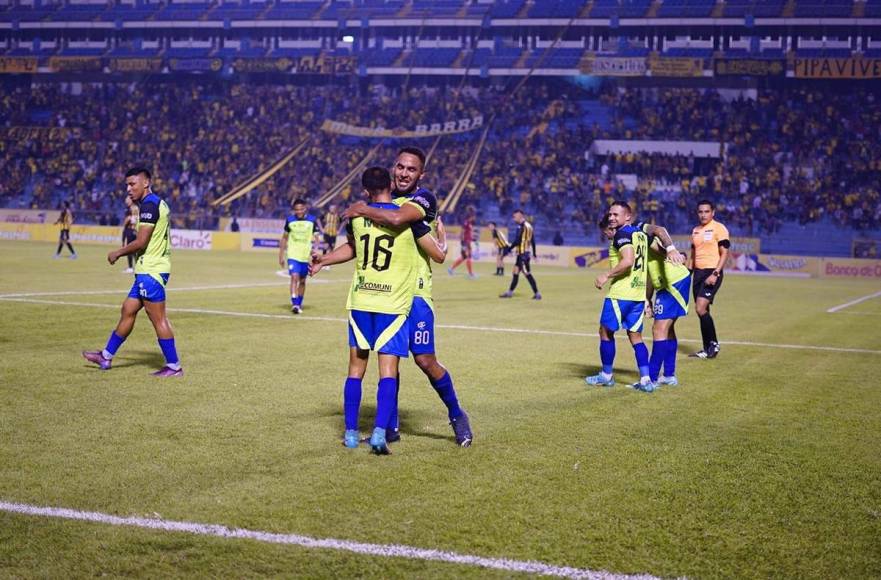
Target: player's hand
[112,257]
[315,267]
[711,280]
[600,281]
[676,257]
[354,210]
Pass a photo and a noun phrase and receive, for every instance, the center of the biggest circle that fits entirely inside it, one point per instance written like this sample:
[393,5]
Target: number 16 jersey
[385,266]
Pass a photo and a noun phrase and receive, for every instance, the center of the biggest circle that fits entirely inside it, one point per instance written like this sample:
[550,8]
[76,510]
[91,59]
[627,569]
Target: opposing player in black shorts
[524,243]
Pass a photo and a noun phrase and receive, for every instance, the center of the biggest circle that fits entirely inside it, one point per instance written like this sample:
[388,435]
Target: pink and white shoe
[97,357]
[168,372]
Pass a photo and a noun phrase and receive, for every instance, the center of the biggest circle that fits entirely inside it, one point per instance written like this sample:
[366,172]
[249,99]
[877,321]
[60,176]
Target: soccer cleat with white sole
[598,380]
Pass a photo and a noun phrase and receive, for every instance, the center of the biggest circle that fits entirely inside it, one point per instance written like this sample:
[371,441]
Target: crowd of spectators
[798,155]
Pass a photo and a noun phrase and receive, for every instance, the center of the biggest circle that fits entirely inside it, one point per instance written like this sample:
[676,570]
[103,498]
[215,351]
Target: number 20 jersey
[385,266]
[629,285]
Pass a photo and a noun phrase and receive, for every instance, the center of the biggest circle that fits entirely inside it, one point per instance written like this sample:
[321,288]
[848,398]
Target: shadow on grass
[135,358]
[582,370]
[406,422]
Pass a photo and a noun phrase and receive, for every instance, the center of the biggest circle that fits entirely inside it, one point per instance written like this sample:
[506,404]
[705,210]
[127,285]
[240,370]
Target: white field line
[853,302]
[170,290]
[449,326]
[381,550]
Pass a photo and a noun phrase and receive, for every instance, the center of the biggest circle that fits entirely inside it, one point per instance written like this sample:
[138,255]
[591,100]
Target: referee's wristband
[717,273]
[671,248]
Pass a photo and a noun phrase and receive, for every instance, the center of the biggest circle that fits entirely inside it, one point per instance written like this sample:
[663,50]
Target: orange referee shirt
[705,240]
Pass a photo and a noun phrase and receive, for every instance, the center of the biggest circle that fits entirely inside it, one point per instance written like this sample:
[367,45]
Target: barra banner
[325,65]
[259,65]
[753,67]
[136,64]
[75,63]
[195,64]
[40,133]
[614,66]
[432,130]
[18,64]
[676,67]
[837,68]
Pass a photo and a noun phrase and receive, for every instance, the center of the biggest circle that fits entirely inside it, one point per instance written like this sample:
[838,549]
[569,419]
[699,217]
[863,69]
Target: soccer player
[710,245]
[670,282]
[500,242]
[467,240]
[379,301]
[130,230]
[419,206]
[624,305]
[524,242]
[152,249]
[300,230]
[331,222]
[65,220]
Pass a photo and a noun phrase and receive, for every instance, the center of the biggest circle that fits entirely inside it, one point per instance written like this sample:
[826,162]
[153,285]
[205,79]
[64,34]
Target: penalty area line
[379,550]
[840,307]
[506,330]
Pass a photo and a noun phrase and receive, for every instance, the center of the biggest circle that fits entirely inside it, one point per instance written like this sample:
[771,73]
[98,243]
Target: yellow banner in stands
[18,64]
[837,68]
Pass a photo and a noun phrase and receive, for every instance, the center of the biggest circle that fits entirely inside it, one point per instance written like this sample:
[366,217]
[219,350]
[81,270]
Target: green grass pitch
[765,462]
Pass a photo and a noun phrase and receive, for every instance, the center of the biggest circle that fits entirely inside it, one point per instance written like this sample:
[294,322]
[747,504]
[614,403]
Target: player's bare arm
[341,254]
[282,244]
[140,242]
[723,257]
[405,215]
[660,232]
[433,248]
[622,266]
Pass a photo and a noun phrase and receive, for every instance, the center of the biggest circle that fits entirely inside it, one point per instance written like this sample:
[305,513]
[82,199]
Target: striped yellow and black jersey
[331,222]
[524,241]
[500,240]
[65,219]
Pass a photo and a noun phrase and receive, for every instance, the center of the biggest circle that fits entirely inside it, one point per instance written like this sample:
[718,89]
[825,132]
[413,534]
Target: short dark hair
[416,151]
[621,203]
[518,210]
[139,170]
[491,224]
[376,179]
[299,201]
[706,202]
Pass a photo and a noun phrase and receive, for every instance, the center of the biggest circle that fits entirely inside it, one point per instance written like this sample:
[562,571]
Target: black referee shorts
[699,287]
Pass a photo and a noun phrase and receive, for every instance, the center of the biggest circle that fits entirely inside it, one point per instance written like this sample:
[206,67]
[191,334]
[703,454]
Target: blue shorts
[384,333]
[299,268]
[149,287]
[626,314]
[421,323]
[673,302]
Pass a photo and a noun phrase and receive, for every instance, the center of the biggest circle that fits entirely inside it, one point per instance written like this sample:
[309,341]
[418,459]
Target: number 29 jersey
[385,266]
[629,285]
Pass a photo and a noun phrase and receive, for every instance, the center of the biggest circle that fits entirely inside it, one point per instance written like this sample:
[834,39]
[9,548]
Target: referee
[710,245]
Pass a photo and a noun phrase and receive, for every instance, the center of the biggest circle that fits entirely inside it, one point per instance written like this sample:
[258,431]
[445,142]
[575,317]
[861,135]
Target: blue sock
[642,359]
[670,358]
[352,402]
[167,346]
[385,401]
[298,301]
[113,343]
[445,390]
[393,422]
[659,352]
[607,355]
[294,300]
